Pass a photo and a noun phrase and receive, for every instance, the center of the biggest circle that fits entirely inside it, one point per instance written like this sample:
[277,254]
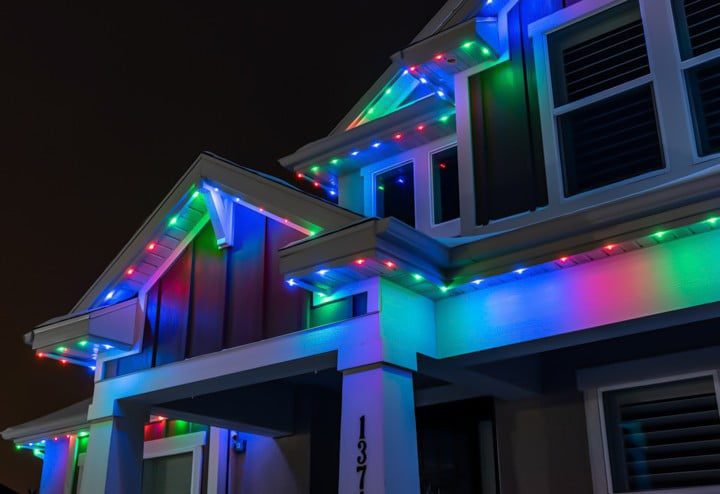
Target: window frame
[182,444]
[665,78]
[600,410]
[396,164]
[431,186]
[685,66]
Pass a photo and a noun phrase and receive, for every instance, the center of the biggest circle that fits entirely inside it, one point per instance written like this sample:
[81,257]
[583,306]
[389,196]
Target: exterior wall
[212,299]
[542,445]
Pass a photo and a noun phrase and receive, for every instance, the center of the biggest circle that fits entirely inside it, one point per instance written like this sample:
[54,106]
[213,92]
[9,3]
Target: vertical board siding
[246,263]
[143,359]
[174,306]
[207,301]
[509,169]
[284,309]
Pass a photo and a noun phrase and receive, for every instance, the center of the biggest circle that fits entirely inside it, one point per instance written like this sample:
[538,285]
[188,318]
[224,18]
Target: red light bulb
[359,262]
[316,183]
[610,247]
[390,264]
[438,56]
[397,136]
[413,68]
[151,246]
[130,271]
[442,166]
[299,175]
[420,128]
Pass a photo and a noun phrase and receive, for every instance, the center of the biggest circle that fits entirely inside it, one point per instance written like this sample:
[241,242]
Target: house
[508,282]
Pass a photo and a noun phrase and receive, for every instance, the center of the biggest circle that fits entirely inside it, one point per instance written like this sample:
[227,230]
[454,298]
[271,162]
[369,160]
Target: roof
[66,419]
[178,217]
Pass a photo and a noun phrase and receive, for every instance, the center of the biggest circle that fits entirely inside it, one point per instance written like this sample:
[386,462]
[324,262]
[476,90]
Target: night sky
[104,106]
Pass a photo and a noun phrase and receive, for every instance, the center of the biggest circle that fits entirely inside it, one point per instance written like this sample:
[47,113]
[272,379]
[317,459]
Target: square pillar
[114,460]
[378,440]
[58,465]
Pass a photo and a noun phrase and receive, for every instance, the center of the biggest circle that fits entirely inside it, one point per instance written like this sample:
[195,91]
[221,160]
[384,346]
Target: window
[604,101]
[698,26]
[446,204]
[663,436]
[395,194]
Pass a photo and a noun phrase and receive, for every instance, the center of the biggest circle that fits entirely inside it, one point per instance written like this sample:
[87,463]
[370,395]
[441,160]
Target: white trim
[596,429]
[185,443]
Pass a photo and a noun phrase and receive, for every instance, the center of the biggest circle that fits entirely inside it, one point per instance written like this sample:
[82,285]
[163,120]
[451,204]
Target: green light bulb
[417,277]
[334,161]
[381,187]
[444,289]
[467,44]
[485,50]
[445,118]
[388,91]
[195,194]
[82,343]
[173,220]
[315,169]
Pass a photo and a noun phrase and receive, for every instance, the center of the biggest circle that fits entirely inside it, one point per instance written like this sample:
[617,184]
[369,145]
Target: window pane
[609,141]
[167,474]
[598,53]
[394,194]
[704,87]
[663,436]
[445,185]
[698,26]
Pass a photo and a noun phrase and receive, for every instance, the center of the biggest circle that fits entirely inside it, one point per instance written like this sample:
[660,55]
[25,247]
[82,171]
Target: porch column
[58,465]
[114,460]
[378,441]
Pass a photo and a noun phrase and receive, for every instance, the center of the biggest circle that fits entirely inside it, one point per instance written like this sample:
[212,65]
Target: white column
[58,455]
[113,464]
[378,441]
[218,460]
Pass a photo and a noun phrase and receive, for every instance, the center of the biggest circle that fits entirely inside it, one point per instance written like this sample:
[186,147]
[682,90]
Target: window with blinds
[604,102]
[698,28]
[663,436]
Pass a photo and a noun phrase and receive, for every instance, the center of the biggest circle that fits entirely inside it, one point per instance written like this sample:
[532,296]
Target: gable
[213,298]
[208,193]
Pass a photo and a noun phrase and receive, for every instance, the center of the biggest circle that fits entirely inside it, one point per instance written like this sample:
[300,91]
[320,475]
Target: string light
[420,128]
[323,272]
[563,259]
[476,282]
[376,145]
[335,161]
[397,136]
[485,50]
[315,169]
[173,220]
[659,235]
[609,248]
[390,264]
[151,246]
[129,271]
[417,277]
[444,289]
[82,343]
[467,44]
[713,220]
[354,153]
[299,175]
[291,282]
[439,56]
[359,262]
[520,270]
[110,295]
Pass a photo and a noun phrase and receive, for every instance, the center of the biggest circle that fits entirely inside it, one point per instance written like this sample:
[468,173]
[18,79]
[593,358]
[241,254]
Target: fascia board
[363,135]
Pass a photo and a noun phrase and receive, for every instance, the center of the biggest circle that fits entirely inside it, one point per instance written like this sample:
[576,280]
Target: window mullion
[673,112]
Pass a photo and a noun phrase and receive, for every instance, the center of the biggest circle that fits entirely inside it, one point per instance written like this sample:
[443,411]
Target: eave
[66,420]
[391,250]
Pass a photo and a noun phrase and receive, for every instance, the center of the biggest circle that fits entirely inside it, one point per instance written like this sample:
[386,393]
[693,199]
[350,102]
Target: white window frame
[431,187]
[677,135]
[685,66]
[422,191]
[176,445]
[595,407]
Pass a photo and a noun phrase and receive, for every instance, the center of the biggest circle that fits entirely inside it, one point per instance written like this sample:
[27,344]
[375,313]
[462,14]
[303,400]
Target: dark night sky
[104,106]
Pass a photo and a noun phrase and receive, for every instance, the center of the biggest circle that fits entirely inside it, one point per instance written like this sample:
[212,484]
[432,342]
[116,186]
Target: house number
[361,467]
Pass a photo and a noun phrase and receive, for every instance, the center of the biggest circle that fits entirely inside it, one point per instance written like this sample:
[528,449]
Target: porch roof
[65,420]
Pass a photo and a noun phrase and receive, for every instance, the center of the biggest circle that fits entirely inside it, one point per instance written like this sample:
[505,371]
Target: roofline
[443,16]
[255,188]
[55,423]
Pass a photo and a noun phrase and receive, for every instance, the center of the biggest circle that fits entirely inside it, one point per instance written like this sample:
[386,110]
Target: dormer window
[604,102]
[395,193]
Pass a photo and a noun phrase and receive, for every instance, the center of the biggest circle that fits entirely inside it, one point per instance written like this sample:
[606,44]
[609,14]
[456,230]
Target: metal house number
[361,467]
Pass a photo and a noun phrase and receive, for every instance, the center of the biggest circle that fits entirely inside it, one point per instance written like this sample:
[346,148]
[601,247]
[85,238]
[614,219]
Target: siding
[507,141]
[212,299]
